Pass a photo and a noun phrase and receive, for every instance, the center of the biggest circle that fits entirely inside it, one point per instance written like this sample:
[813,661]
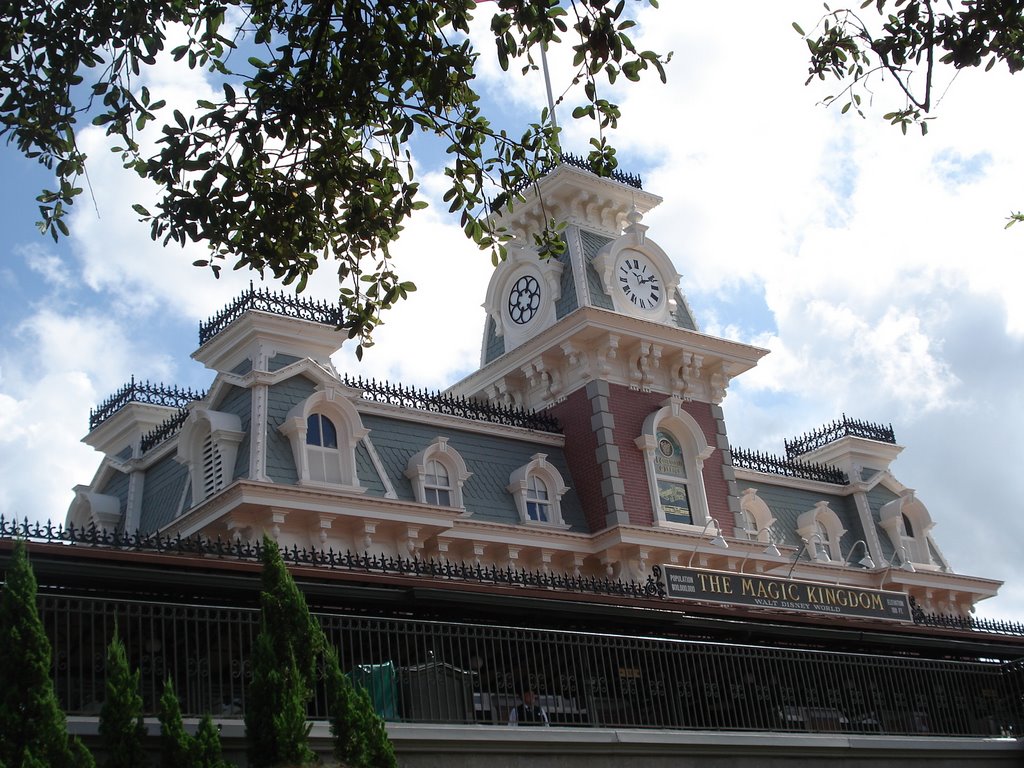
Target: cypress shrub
[175,743]
[206,749]
[284,665]
[360,739]
[33,729]
[121,727]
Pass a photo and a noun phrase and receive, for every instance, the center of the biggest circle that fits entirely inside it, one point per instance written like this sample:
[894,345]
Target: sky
[874,266]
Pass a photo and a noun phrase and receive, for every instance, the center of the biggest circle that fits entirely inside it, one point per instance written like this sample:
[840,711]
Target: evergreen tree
[33,729]
[284,664]
[121,726]
[81,757]
[177,748]
[175,743]
[360,739]
[206,749]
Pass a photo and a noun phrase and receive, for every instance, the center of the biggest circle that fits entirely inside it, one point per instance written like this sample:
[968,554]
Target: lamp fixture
[906,565]
[771,550]
[803,549]
[718,540]
[865,561]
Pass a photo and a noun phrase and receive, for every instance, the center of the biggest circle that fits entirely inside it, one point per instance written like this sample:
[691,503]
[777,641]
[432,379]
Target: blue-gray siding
[117,486]
[592,243]
[238,401]
[164,486]
[281,398]
[494,345]
[242,368]
[280,361]
[878,497]
[683,318]
[787,504]
[567,301]
[491,459]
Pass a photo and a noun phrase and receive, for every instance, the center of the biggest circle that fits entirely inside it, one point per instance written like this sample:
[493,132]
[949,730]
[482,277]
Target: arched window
[821,544]
[436,485]
[908,523]
[324,430]
[821,530]
[757,517]
[674,449]
[538,489]
[538,505]
[437,474]
[322,447]
[673,484]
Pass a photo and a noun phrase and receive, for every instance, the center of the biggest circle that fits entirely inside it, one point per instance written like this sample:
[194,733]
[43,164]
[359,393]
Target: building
[570,518]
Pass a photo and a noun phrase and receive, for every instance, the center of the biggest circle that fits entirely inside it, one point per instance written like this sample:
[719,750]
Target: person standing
[528,712]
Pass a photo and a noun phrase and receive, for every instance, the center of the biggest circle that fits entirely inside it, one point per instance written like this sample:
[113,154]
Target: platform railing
[447,672]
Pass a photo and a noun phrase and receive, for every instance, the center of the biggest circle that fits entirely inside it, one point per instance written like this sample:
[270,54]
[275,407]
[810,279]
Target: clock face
[524,300]
[639,282]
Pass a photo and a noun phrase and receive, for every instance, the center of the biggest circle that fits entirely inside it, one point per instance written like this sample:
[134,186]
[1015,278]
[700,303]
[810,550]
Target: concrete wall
[503,747]
[475,746]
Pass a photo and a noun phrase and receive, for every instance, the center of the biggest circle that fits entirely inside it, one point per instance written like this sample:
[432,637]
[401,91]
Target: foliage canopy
[909,41]
[305,153]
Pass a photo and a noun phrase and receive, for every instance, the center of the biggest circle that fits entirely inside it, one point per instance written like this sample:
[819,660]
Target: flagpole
[547,83]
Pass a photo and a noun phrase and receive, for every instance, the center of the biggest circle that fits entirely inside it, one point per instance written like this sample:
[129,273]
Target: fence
[445,672]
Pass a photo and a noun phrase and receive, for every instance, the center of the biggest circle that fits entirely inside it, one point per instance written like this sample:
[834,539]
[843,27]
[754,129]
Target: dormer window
[324,431]
[909,524]
[538,489]
[437,474]
[821,530]
[757,517]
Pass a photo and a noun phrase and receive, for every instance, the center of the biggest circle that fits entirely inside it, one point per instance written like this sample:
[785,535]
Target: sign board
[785,594]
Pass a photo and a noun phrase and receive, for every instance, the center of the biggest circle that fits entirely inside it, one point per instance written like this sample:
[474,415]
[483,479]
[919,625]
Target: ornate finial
[634,217]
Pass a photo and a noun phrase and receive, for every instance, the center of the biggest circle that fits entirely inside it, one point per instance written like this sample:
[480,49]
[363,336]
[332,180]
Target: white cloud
[55,367]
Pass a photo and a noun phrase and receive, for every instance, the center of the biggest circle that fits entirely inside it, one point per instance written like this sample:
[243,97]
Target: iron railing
[163,431]
[452,405]
[577,161]
[788,467]
[328,559]
[275,302]
[141,392]
[428,569]
[447,672]
[405,397]
[845,427]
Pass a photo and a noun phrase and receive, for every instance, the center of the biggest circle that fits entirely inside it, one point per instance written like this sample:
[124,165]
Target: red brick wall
[630,408]
[573,414]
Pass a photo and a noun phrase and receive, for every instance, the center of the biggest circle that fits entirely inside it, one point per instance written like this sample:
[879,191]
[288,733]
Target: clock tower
[603,339]
[609,308]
